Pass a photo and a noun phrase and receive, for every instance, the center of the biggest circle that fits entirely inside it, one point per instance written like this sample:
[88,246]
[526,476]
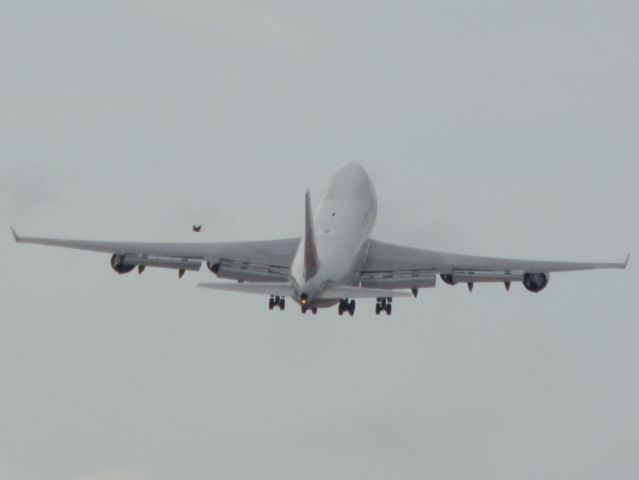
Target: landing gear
[346,306]
[312,309]
[276,301]
[384,304]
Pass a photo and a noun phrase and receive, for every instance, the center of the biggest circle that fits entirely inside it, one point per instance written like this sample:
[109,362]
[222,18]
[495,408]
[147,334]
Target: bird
[197,228]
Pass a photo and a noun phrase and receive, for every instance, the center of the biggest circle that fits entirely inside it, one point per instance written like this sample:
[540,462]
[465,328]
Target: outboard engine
[117,263]
[535,282]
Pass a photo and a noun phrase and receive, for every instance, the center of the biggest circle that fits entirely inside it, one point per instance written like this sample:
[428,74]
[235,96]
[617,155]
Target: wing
[395,266]
[268,260]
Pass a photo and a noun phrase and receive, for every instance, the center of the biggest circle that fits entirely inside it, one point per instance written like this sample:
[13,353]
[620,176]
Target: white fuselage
[343,221]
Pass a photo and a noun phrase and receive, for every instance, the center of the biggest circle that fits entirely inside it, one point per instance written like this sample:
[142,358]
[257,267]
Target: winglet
[16,237]
[627,258]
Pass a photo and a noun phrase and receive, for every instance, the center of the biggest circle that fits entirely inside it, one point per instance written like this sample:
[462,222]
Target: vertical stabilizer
[311,262]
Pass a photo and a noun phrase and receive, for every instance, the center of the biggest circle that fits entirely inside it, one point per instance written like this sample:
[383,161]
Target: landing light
[303,299]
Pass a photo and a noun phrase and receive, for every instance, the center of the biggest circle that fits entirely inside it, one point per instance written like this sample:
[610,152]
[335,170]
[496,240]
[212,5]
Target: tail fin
[311,262]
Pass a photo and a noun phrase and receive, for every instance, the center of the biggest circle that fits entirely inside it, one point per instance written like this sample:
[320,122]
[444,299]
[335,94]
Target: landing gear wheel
[351,308]
[314,310]
[276,301]
[343,306]
[378,309]
[389,309]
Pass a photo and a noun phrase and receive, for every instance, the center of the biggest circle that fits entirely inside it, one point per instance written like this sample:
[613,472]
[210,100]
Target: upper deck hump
[350,182]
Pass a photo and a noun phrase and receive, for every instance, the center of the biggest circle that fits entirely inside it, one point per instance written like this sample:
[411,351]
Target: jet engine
[213,266]
[535,282]
[447,278]
[246,272]
[126,263]
[117,262]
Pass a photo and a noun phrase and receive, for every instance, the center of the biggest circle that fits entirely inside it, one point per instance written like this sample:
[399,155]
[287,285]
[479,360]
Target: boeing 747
[334,263]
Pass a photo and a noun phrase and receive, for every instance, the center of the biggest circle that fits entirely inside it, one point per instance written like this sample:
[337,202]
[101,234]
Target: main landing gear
[346,306]
[276,301]
[384,304]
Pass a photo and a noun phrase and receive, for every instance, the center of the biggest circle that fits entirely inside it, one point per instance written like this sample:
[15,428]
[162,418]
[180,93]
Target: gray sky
[490,128]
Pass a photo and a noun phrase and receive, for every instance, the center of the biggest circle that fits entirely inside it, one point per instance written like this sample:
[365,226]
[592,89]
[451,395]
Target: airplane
[335,262]
[197,228]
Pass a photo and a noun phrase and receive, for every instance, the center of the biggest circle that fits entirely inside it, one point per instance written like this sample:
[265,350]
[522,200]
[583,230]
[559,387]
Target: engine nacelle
[213,266]
[117,263]
[447,278]
[535,282]
[244,272]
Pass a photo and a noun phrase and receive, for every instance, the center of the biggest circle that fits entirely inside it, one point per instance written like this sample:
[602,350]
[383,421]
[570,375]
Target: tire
[389,309]
[282,304]
[378,309]
[271,304]
[342,307]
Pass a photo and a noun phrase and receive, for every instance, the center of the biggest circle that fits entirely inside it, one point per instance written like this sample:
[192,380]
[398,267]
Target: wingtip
[16,237]
[627,260]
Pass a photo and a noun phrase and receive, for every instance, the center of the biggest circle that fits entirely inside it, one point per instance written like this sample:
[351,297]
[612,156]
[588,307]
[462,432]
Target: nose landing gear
[276,301]
[384,304]
[346,306]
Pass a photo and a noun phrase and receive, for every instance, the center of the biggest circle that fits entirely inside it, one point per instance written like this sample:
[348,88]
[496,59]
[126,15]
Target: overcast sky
[501,128]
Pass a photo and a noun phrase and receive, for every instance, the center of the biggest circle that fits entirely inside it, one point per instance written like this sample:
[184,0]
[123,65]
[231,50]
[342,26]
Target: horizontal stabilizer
[347,291]
[284,289]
